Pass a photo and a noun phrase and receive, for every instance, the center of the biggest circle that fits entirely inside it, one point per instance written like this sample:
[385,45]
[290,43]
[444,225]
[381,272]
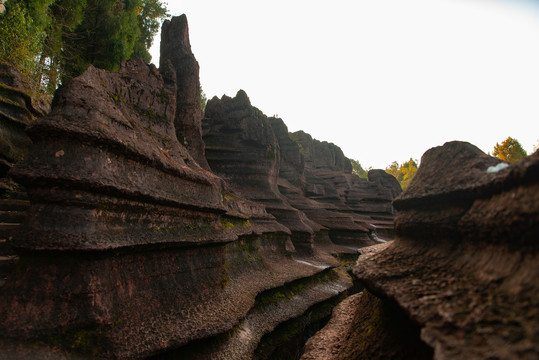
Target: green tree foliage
[509,150]
[21,38]
[78,33]
[358,169]
[404,173]
[151,12]
[203,100]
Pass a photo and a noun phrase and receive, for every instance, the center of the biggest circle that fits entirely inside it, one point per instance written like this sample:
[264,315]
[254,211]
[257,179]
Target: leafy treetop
[52,41]
[509,150]
[358,169]
[404,173]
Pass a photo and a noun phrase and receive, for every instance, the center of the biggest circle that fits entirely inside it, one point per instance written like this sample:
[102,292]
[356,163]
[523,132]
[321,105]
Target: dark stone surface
[133,248]
[176,50]
[284,171]
[242,148]
[464,264]
[129,246]
[17,110]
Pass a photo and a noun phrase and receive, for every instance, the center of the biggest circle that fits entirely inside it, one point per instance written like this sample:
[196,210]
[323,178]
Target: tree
[60,38]
[358,169]
[408,170]
[21,38]
[149,20]
[509,150]
[203,100]
[404,173]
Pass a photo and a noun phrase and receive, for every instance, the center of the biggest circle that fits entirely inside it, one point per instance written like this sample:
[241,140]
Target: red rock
[464,263]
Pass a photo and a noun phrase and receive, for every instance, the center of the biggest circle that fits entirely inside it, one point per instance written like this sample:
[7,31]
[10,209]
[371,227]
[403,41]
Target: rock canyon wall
[154,231]
[460,279]
[135,246]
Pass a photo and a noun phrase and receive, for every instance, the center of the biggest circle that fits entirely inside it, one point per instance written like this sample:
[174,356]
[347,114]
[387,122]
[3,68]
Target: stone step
[12,216]
[6,233]
[18,194]
[9,204]
[7,264]
[13,95]
[5,248]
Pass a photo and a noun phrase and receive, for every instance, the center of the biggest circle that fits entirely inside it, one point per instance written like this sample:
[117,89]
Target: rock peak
[176,52]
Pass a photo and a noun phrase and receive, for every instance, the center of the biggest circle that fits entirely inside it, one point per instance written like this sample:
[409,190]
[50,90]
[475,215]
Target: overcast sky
[385,80]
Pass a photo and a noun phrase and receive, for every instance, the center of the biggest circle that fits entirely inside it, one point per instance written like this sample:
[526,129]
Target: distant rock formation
[350,207]
[464,264]
[132,248]
[242,148]
[294,175]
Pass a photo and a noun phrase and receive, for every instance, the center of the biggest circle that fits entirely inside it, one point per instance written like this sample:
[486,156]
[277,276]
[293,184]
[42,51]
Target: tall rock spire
[176,49]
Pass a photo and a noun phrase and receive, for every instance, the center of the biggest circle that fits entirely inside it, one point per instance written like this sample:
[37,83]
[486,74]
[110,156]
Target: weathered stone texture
[177,52]
[290,172]
[243,149]
[464,264]
[133,248]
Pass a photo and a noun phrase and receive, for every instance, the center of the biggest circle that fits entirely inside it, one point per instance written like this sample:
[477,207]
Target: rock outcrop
[18,109]
[132,248]
[353,209]
[242,148]
[306,184]
[464,263]
[187,120]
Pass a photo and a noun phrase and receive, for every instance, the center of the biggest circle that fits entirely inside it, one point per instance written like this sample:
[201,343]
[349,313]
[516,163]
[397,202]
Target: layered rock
[18,108]
[291,172]
[242,148]
[175,33]
[131,248]
[464,264]
[350,207]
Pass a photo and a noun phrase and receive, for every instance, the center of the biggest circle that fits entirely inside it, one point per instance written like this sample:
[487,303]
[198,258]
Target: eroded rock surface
[175,33]
[18,109]
[242,148]
[306,184]
[133,248]
[464,264]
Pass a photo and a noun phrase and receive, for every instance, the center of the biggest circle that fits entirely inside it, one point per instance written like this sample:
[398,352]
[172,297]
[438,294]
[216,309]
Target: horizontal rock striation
[464,264]
[242,148]
[306,184]
[133,248]
[350,207]
[18,109]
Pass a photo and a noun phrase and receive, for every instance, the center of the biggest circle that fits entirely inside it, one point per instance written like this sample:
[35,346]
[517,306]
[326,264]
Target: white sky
[385,80]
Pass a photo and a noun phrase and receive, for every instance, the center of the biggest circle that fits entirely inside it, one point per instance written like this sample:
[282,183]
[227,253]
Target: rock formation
[242,148]
[131,248]
[350,207]
[18,108]
[175,33]
[464,263]
[306,184]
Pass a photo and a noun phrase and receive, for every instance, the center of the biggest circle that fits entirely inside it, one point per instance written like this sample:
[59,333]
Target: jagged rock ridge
[463,266]
[132,247]
[306,184]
